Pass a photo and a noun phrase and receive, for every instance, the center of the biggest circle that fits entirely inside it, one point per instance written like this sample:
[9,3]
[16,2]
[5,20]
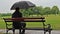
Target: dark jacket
[16,14]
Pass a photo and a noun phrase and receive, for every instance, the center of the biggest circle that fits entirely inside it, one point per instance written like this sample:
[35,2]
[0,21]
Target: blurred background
[50,9]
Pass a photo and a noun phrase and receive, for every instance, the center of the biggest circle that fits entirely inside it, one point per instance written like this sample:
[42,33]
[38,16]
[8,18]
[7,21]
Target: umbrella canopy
[22,5]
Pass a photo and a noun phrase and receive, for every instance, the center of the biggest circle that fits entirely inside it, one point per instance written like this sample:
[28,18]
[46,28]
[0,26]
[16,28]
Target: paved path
[32,31]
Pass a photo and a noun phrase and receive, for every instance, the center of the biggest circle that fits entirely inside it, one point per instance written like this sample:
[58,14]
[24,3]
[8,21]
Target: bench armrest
[48,26]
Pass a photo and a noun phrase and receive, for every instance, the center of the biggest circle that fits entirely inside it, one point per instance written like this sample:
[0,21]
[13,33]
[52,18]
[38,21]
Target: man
[18,25]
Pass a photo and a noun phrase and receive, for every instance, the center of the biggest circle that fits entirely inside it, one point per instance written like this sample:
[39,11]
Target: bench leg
[13,31]
[44,32]
[7,31]
[49,32]
[20,31]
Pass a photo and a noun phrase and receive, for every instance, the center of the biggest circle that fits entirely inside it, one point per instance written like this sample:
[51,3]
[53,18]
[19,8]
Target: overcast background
[5,5]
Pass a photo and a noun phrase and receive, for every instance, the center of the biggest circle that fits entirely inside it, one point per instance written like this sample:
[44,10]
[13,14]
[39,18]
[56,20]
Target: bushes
[5,14]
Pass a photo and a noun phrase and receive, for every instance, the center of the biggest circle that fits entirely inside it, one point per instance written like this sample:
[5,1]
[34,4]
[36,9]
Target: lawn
[51,19]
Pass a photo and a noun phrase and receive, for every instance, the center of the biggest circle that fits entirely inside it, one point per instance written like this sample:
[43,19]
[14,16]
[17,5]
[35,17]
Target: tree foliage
[38,10]
[55,10]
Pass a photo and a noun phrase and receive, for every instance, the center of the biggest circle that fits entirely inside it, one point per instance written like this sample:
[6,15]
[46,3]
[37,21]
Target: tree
[27,12]
[47,10]
[55,10]
[39,10]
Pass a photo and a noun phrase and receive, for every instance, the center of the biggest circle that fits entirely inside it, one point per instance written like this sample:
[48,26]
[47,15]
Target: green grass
[54,21]
[51,19]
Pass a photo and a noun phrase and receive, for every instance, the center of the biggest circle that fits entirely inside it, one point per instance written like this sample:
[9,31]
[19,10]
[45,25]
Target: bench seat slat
[34,28]
[37,29]
[26,21]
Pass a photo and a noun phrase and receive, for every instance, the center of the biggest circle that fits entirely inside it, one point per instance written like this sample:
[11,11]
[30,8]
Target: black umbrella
[22,5]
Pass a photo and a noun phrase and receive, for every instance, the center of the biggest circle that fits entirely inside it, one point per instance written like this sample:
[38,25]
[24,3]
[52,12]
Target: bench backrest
[41,19]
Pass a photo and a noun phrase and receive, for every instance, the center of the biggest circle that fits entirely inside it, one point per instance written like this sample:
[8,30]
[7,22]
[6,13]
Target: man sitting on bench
[18,25]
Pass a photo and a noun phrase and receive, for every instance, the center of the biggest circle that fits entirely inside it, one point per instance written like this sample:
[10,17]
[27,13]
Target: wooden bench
[41,19]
